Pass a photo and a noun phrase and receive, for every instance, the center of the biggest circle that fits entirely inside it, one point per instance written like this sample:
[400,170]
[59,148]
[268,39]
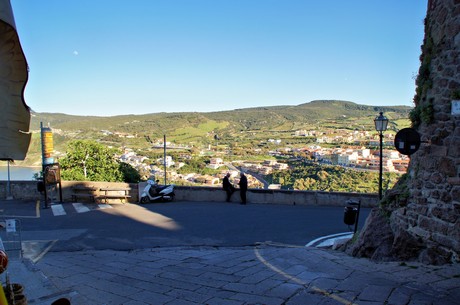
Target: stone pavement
[263,274]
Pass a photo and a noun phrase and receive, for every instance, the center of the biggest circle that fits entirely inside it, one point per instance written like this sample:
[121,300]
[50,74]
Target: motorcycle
[155,192]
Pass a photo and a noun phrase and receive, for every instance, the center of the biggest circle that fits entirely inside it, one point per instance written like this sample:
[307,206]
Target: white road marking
[300,281]
[103,206]
[40,256]
[80,207]
[58,210]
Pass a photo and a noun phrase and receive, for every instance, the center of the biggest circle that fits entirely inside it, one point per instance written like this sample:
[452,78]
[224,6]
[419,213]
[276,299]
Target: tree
[130,174]
[90,161]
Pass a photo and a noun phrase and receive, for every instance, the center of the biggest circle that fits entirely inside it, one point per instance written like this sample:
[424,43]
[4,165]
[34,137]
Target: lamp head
[381,122]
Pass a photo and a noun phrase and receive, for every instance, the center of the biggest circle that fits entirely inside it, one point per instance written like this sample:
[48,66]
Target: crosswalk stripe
[104,206]
[58,210]
[80,207]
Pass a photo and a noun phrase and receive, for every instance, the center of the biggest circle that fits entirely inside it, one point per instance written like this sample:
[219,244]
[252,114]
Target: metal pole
[381,165]
[8,187]
[164,154]
[357,216]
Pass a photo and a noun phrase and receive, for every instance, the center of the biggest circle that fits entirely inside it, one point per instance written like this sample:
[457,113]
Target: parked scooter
[155,192]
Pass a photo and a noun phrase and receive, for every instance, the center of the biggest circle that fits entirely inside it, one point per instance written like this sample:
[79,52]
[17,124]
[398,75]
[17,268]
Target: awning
[14,113]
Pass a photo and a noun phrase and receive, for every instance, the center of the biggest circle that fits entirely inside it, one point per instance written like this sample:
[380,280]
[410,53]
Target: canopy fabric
[14,113]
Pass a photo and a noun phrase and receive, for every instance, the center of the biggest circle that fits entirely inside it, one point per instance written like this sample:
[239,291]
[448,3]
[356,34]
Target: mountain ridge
[201,129]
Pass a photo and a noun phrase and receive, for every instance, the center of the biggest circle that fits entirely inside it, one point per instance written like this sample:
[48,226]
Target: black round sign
[407,141]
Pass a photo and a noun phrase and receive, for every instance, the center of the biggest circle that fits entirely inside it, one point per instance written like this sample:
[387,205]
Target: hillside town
[359,158]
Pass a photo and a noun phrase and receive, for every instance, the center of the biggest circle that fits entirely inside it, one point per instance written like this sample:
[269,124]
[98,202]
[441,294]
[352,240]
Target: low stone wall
[276,196]
[27,190]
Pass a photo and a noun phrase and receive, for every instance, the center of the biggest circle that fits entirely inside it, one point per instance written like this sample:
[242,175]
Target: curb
[330,240]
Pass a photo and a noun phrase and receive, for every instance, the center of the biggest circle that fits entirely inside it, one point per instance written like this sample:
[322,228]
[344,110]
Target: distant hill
[260,118]
[198,129]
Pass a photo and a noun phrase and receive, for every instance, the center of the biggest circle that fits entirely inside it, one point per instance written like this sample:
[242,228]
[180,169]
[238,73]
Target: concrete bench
[89,193]
[105,194]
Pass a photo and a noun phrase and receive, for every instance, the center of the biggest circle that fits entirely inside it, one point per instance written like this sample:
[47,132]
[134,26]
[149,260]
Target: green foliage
[197,165]
[397,197]
[427,112]
[414,117]
[90,161]
[455,95]
[315,177]
[130,174]
[423,111]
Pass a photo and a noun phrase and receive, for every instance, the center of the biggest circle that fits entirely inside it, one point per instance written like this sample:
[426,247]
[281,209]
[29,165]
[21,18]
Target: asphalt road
[133,226]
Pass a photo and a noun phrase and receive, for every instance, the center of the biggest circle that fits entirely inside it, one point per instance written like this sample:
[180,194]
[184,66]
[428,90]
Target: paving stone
[172,283]
[285,290]
[215,292]
[307,297]
[250,271]
[146,285]
[445,301]
[308,276]
[266,275]
[219,301]
[115,288]
[132,302]
[97,296]
[181,302]
[446,283]
[151,297]
[257,277]
[421,299]
[187,295]
[221,276]
[185,271]
[102,275]
[400,296]
[375,293]
[244,288]
[256,299]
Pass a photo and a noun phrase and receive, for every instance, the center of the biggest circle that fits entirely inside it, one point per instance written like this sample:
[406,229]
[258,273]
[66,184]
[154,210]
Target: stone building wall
[424,210]
[434,206]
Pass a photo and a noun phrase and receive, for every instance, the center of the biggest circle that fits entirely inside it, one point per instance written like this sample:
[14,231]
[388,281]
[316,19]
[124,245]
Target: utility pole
[164,154]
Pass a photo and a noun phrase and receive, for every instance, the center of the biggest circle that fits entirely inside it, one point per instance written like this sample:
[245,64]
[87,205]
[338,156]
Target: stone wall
[434,209]
[27,190]
[426,225]
[277,196]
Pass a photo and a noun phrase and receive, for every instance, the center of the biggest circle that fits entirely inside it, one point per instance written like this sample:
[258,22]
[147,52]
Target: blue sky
[112,57]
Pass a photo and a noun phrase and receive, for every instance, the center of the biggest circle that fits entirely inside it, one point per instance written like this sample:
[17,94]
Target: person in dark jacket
[243,187]
[228,187]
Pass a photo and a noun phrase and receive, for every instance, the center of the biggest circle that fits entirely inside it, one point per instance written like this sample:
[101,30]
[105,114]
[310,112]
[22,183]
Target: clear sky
[112,57]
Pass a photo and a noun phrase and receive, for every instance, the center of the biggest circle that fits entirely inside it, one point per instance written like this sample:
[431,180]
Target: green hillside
[306,115]
[240,126]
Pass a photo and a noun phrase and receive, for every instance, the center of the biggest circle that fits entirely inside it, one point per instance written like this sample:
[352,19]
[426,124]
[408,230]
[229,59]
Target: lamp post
[381,123]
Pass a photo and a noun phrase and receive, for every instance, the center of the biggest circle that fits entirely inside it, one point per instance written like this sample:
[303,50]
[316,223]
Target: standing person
[243,187]
[228,187]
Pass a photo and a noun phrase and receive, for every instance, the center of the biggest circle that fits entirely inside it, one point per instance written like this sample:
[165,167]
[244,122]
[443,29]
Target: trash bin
[351,213]
[40,186]
[349,216]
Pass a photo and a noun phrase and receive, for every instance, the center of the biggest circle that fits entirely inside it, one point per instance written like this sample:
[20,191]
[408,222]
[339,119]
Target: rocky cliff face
[419,218]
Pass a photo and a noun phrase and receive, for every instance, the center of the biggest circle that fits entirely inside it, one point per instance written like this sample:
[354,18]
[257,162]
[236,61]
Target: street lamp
[381,123]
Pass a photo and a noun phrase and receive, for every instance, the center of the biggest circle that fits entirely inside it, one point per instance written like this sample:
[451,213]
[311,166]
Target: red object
[3,261]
